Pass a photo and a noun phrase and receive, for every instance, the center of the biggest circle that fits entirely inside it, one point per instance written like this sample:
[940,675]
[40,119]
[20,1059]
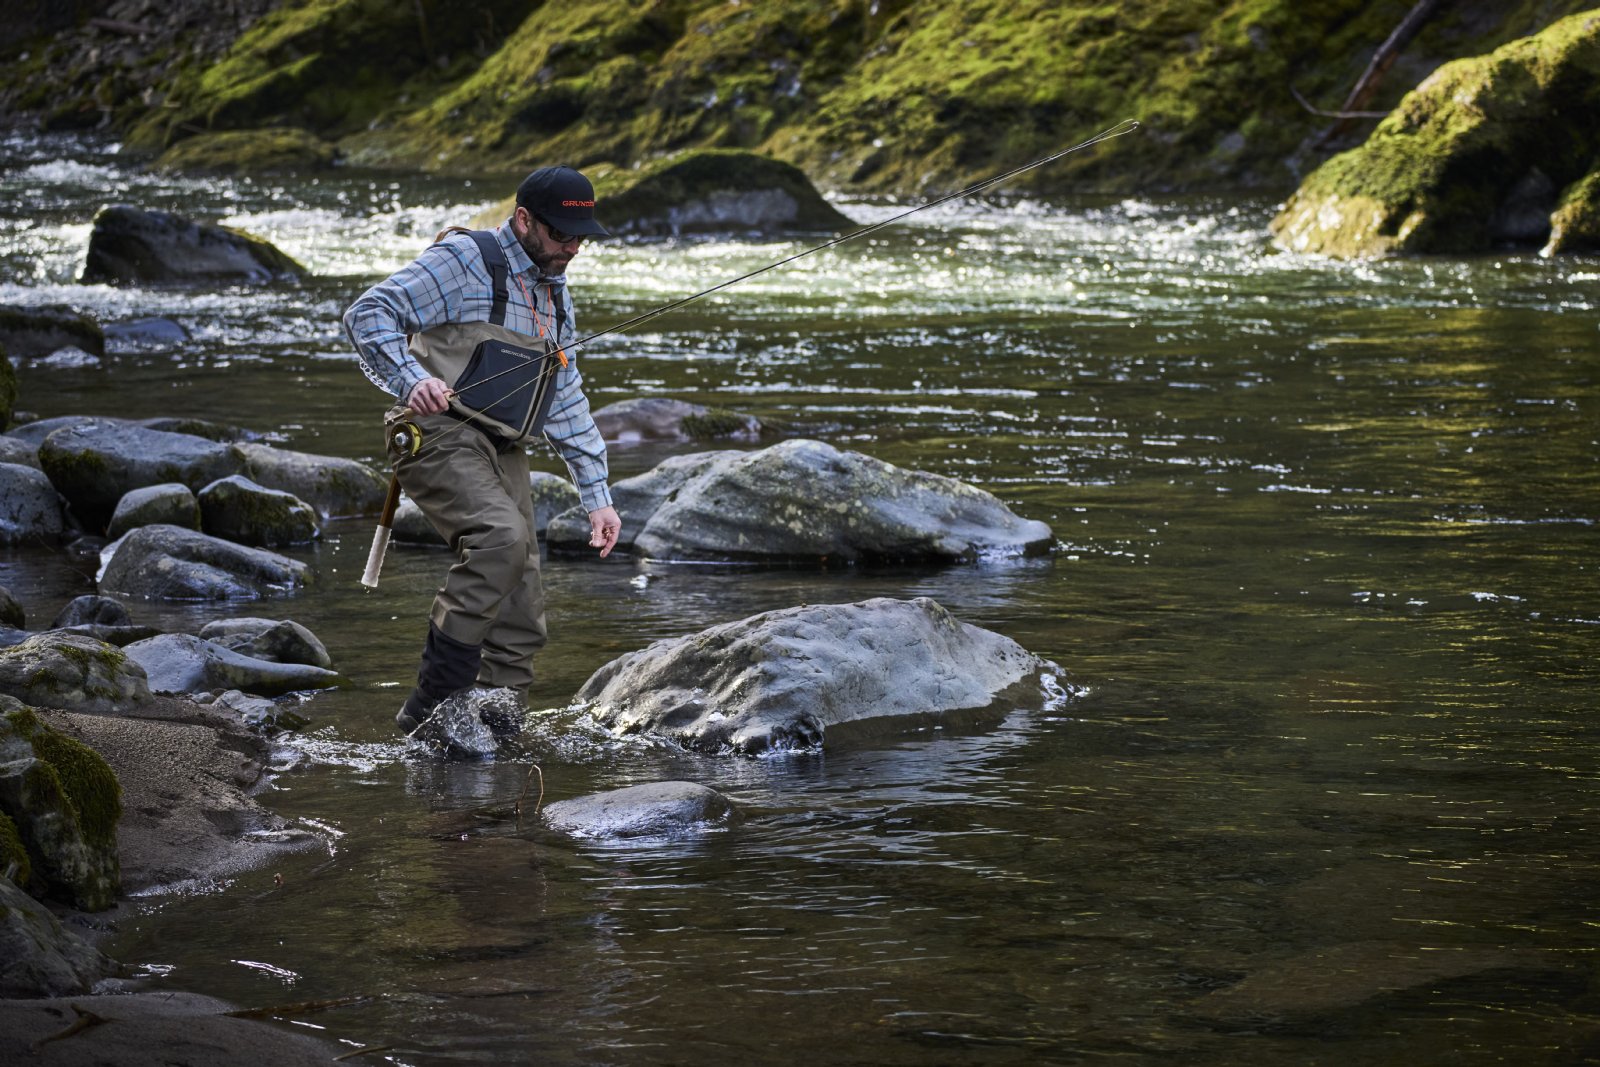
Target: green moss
[1575,224]
[248,152]
[79,773]
[1433,173]
[14,862]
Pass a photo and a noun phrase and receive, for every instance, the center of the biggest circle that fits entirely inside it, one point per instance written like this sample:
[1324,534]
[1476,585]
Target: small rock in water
[472,724]
[654,809]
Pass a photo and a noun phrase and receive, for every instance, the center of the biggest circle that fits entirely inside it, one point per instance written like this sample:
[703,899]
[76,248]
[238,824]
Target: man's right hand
[429,397]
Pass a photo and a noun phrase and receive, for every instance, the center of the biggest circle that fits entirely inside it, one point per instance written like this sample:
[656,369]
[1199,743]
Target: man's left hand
[604,528]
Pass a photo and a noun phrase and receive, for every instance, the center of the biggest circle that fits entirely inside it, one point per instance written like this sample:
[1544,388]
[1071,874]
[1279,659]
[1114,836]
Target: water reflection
[1326,534]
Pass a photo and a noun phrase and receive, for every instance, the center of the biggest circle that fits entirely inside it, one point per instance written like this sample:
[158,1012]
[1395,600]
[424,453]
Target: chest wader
[471,481]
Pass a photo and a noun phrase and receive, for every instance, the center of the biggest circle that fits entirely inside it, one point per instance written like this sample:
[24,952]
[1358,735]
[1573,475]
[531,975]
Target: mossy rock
[276,148]
[72,671]
[8,390]
[1575,224]
[14,861]
[64,802]
[1475,146]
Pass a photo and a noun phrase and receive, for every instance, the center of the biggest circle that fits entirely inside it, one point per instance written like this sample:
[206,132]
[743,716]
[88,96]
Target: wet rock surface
[168,504]
[152,1030]
[636,500]
[171,563]
[784,679]
[131,245]
[39,956]
[806,501]
[30,507]
[64,803]
[29,332]
[654,809]
[182,663]
[64,670]
[334,486]
[239,510]
[94,464]
[277,640]
[472,724]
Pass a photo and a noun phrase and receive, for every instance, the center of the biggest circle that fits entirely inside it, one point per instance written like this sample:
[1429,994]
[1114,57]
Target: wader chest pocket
[510,384]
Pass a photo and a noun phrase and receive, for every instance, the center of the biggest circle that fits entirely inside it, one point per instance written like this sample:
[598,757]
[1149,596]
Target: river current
[1324,583]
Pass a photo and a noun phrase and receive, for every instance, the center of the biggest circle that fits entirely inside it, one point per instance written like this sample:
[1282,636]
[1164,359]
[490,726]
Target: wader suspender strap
[494,257]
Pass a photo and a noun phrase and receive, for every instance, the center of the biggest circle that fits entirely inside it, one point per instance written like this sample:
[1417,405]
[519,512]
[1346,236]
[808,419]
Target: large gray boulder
[94,464]
[237,509]
[171,563]
[334,486]
[56,669]
[636,500]
[782,679]
[274,640]
[183,663]
[64,802]
[659,418]
[130,246]
[38,956]
[655,809]
[170,503]
[33,433]
[30,507]
[806,501]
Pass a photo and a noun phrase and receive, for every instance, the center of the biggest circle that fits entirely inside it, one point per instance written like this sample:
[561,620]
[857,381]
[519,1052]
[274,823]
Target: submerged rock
[655,809]
[716,191]
[237,509]
[276,640]
[56,669]
[659,418]
[64,802]
[151,332]
[129,245]
[806,501]
[334,486]
[782,679]
[182,663]
[94,464]
[1464,162]
[472,724]
[171,563]
[168,504]
[30,507]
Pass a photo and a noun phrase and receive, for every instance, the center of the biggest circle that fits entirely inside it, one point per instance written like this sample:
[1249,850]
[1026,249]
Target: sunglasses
[556,235]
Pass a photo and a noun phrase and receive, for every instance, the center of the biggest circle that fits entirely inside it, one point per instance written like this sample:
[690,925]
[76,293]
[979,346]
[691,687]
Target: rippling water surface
[1325,568]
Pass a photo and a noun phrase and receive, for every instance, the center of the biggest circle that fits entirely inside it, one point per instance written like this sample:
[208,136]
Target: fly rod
[381,535]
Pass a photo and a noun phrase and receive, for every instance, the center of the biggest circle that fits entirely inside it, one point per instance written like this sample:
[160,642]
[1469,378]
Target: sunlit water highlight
[1325,569]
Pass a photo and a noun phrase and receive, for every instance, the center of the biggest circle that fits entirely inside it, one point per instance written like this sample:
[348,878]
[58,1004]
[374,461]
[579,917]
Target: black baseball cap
[563,198]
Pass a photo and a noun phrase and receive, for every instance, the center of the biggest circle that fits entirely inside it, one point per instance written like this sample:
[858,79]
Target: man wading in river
[475,338]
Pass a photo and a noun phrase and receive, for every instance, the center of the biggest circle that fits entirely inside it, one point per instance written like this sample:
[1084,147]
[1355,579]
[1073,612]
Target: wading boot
[448,666]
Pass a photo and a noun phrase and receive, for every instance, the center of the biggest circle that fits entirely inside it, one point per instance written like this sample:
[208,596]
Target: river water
[1325,581]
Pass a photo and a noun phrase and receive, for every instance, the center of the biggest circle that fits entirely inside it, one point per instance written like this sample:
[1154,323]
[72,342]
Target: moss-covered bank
[1477,156]
[863,95]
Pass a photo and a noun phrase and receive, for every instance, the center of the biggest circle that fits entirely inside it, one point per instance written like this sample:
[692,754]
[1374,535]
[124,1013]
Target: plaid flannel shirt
[449,283]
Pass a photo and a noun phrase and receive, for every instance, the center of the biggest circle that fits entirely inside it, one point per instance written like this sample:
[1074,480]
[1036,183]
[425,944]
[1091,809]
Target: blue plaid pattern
[449,283]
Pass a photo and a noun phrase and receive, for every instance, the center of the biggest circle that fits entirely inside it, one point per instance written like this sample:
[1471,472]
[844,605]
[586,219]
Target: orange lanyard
[555,317]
